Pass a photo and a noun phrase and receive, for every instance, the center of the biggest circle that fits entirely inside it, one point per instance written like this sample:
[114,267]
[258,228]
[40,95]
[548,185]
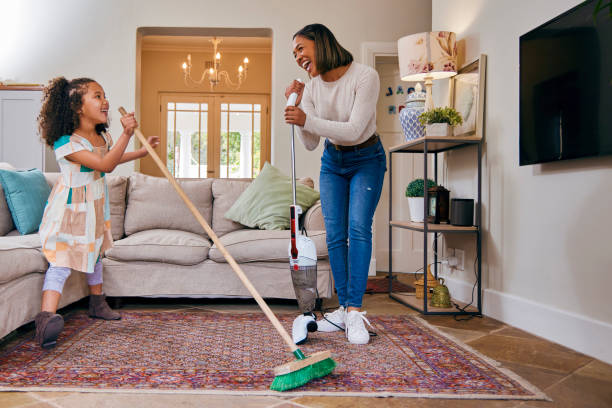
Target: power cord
[459,308]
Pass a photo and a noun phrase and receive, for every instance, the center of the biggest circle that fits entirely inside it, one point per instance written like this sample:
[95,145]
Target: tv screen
[566,87]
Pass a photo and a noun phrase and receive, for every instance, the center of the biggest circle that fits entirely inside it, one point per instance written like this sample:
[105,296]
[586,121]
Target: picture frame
[468,97]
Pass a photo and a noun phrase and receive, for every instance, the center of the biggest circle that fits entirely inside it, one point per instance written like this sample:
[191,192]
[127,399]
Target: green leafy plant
[441,115]
[416,187]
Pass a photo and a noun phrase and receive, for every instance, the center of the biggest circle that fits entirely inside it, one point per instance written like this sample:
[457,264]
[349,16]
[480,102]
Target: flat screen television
[566,87]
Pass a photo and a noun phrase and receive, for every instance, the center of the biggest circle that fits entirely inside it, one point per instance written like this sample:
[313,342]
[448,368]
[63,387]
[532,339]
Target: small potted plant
[415,193]
[438,121]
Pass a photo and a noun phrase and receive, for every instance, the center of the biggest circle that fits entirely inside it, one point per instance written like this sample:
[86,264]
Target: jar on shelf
[409,116]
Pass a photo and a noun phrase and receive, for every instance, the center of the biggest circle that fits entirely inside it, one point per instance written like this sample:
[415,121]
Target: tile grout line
[39,400]
[297,403]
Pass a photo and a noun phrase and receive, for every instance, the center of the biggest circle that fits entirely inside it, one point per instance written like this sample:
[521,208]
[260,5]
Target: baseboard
[577,332]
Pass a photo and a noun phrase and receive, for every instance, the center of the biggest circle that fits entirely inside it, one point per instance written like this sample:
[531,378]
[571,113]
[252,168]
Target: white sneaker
[356,332]
[336,317]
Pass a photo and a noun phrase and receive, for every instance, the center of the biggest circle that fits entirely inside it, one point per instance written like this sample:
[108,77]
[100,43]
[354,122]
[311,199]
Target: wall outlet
[460,255]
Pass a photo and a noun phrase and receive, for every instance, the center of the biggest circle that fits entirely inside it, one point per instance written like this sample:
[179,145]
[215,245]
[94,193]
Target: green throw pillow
[265,203]
[26,194]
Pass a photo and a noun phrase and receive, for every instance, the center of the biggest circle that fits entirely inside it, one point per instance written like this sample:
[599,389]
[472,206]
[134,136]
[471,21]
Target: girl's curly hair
[62,99]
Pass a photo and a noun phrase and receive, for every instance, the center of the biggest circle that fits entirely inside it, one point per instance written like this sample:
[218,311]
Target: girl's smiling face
[95,106]
[304,54]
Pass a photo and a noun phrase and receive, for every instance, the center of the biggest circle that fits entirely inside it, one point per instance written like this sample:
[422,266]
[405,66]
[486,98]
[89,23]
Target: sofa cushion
[26,193]
[19,256]
[152,203]
[225,193]
[265,203]
[117,189]
[161,245]
[263,245]
[6,221]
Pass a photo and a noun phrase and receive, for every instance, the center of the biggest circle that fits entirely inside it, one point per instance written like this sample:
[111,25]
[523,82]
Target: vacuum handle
[291,102]
[230,260]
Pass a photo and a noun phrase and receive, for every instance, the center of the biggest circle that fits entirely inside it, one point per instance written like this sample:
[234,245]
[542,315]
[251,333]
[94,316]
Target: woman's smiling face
[304,54]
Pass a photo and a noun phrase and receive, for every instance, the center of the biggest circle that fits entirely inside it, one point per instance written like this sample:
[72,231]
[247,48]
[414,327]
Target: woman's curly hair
[62,99]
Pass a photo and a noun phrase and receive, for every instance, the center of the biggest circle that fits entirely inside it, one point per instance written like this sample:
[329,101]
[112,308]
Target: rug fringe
[273,393]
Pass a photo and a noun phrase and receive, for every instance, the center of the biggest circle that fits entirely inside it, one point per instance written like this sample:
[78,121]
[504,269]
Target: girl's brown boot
[100,309]
[48,328]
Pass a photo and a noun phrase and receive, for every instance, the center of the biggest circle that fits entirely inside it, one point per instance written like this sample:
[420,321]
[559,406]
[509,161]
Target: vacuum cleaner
[302,260]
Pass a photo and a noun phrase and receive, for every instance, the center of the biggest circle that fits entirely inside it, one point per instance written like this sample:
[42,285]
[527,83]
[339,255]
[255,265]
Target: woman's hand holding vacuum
[293,114]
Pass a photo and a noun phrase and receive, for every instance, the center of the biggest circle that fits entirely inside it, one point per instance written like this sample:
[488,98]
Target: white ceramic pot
[416,206]
[438,129]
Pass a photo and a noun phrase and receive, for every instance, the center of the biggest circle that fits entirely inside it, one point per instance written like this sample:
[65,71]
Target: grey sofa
[160,250]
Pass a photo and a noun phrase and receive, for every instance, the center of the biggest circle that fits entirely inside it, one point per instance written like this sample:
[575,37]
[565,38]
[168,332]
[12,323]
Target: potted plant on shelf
[415,193]
[438,121]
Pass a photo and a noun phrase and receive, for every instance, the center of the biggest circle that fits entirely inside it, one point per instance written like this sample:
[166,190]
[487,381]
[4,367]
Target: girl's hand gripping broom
[289,375]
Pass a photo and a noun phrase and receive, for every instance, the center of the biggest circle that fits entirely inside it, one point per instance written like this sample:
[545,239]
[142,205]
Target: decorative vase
[409,116]
[417,207]
[438,129]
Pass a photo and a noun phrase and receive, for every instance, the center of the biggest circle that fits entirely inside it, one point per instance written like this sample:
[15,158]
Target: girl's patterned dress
[76,228]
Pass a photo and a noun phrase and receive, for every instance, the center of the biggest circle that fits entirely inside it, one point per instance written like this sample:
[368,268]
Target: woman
[339,104]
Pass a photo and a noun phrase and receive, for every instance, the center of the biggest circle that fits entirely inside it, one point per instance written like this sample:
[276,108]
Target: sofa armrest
[313,219]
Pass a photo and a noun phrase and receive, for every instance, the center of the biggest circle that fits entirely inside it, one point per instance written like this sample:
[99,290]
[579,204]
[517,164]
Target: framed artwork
[468,94]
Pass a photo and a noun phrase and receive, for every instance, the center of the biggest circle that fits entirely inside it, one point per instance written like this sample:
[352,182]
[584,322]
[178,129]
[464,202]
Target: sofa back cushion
[6,221]
[225,193]
[152,203]
[117,189]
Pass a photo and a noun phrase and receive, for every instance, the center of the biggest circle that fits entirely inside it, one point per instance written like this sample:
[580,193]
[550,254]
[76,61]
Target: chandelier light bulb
[240,69]
[211,70]
[218,56]
[184,66]
[246,60]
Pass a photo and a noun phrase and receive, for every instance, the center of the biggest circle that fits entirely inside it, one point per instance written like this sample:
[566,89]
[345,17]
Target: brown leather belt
[371,141]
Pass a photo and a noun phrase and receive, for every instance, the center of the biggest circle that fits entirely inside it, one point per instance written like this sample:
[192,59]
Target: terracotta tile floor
[569,378]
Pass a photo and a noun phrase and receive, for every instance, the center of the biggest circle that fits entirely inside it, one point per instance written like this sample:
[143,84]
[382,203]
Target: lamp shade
[430,54]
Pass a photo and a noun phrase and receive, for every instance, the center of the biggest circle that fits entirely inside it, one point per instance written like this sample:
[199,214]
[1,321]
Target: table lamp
[427,56]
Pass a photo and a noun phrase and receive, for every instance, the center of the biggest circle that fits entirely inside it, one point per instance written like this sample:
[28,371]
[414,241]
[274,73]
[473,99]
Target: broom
[287,376]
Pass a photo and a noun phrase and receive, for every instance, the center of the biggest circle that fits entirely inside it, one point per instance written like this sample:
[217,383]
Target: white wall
[43,39]
[546,240]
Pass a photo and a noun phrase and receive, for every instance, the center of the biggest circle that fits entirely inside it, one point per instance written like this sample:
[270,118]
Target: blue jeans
[351,182]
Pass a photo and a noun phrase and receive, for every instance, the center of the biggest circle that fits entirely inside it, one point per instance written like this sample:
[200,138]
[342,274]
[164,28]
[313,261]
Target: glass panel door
[187,136]
[240,154]
[217,135]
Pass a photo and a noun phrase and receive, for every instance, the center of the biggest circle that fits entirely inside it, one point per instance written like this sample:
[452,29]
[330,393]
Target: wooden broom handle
[262,304]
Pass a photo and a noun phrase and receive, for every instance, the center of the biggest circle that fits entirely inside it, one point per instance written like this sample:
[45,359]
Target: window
[216,135]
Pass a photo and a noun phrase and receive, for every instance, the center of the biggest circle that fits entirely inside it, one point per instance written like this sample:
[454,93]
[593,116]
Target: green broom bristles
[302,376]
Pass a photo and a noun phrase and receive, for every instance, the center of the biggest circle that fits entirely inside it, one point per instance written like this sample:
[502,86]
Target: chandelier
[212,72]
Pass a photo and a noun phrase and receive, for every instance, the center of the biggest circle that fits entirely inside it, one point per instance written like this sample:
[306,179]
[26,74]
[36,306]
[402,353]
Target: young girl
[339,105]
[75,229]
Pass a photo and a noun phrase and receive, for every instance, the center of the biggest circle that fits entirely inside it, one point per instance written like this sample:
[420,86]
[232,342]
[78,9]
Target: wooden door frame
[369,52]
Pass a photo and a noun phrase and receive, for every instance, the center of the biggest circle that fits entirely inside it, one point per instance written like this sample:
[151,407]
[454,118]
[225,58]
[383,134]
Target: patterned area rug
[220,353]
[381,285]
